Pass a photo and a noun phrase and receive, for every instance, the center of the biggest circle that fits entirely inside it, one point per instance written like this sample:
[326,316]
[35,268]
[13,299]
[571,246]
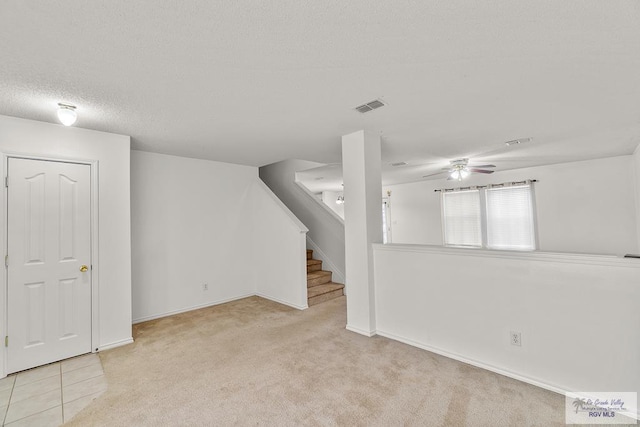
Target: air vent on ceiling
[399,164]
[369,106]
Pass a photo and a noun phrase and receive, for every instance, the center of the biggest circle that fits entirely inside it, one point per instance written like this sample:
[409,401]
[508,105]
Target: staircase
[320,288]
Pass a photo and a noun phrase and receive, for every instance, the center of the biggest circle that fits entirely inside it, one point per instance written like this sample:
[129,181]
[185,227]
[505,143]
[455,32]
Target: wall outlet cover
[516,338]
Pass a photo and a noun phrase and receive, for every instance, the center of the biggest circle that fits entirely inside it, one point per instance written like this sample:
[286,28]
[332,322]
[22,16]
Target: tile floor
[51,394]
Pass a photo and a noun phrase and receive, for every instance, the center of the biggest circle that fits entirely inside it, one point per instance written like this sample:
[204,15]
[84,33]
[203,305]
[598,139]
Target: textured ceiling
[255,82]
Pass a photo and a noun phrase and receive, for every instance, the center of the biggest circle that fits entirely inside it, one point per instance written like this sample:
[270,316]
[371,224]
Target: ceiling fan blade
[433,174]
[480,171]
[482,166]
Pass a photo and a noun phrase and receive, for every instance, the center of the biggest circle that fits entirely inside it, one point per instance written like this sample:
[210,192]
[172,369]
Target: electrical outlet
[205,286]
[516,339]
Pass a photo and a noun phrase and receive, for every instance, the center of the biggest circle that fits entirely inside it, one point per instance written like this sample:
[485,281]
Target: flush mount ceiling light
[340,200]
[67,114]
[518,141]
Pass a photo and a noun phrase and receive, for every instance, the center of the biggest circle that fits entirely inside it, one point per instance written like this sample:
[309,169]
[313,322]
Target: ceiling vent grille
[370,106]
[399,164]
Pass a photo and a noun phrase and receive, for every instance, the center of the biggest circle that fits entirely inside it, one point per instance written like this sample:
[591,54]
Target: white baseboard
[184,310]
[338,275]
[360,331]
[299,307]
[506,373]
[634,412]
[115,344]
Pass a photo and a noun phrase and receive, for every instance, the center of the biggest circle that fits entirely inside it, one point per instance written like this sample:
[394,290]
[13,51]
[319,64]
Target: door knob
[84,268]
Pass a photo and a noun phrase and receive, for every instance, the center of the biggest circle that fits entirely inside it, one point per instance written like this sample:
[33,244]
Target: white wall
[578,315]
[26,137]
[584,207]
[279,250]
[326,232]
[329,198]
[191,224]
[415,213]
[200,221]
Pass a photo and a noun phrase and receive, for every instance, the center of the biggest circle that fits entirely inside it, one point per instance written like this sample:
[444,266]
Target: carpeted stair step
[325,292]
[314,265]
[316,278]
[309,254]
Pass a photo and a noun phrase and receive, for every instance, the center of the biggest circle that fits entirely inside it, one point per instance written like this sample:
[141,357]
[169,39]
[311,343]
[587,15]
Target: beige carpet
[256,362]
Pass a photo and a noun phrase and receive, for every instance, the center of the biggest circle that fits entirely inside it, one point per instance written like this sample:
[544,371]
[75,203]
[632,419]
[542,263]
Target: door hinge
[6,260]
[6,181]
[6,341]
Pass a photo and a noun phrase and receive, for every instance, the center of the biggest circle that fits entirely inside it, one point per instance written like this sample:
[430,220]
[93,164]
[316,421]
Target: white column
[362,225]
[636,167]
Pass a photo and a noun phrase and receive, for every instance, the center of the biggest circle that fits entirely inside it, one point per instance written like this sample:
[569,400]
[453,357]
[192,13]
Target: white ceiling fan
[461,169]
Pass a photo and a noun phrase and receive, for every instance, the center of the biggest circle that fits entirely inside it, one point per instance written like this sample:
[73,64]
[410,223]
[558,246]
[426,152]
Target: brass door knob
[84,268]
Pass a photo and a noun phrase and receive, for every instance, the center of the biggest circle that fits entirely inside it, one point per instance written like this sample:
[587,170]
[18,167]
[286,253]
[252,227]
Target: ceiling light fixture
[459,174]
[459,169]
[518,141]
[340,200]
[67,114]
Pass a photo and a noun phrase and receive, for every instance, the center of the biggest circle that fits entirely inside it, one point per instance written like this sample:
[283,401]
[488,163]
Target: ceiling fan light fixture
[456,174]
[459,172]
[67,114]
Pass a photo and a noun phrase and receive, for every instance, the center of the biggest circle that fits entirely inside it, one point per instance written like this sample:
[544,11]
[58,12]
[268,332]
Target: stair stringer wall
[278,251]
[326,230]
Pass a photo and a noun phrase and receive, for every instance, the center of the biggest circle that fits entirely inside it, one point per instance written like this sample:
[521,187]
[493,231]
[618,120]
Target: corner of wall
[277,250]
[636,182]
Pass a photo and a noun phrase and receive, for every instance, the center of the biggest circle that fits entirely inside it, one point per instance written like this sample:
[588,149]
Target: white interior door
[49,262]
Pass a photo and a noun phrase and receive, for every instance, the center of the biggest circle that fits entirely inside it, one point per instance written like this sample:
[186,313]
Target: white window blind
[510,222]
[462,218]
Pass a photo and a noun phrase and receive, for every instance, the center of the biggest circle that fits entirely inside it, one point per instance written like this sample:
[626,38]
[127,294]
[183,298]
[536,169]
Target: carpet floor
[256,362]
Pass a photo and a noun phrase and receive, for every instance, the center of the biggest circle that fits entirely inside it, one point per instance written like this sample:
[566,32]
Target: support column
[636,170]
[361,174]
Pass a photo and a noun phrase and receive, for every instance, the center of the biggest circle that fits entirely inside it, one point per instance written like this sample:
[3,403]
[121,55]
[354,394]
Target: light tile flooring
[51,394]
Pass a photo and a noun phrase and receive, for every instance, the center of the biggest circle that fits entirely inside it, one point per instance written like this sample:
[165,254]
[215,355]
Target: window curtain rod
[480,187]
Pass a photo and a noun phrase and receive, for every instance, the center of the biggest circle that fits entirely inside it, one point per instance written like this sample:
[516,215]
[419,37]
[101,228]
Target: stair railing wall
[278,252]
[326,228]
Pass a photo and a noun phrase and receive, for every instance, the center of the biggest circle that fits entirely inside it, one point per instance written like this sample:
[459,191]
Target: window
[510,218]
[462,219]
[495,218]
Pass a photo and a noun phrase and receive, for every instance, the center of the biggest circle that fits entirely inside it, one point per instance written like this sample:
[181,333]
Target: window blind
[510,223]
[462,221]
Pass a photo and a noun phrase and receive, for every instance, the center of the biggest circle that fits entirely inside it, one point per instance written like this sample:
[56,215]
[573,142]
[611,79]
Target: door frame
[95,267]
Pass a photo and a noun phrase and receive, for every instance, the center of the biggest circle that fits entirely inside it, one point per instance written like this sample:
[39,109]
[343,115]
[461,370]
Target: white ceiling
[255,82]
